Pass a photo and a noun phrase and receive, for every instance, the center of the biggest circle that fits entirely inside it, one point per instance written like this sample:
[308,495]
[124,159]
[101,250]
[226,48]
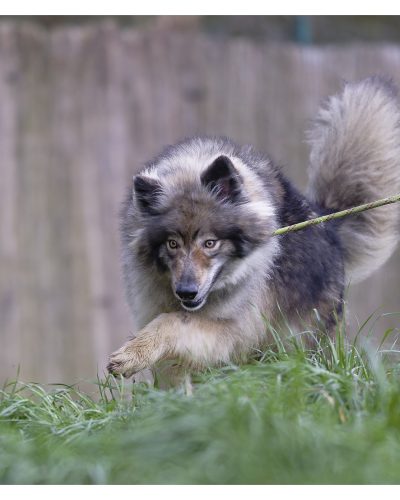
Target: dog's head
[197,232]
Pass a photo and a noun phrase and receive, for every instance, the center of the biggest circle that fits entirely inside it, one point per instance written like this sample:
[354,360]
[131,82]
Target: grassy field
[331,415]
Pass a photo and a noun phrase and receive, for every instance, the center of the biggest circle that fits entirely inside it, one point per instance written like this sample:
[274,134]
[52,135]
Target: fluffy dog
[201,269]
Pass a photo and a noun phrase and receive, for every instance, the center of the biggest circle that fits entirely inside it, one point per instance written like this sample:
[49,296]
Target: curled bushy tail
[355,159]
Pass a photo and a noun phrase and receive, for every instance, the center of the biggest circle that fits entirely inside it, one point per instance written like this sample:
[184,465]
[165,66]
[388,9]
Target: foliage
[330,414]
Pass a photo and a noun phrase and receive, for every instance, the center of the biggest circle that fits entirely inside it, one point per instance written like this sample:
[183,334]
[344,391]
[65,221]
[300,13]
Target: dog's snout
[187,291]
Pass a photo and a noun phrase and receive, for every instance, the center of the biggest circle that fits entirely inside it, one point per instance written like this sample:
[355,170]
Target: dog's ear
[222,178]
[146,191]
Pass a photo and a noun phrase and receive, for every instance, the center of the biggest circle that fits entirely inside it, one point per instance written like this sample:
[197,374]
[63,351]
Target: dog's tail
[355,159]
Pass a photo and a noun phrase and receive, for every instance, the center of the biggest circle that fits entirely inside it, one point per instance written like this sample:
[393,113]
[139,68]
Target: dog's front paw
[136,355]
[128,360]
[153,343]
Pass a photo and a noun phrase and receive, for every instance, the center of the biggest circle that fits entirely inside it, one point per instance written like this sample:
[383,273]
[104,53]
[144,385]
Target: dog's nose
[186,292]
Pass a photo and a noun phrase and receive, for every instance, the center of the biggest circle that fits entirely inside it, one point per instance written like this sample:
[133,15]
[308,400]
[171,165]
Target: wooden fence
[81,108]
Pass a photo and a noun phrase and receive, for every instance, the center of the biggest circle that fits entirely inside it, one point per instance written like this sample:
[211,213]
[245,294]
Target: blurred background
[84,101]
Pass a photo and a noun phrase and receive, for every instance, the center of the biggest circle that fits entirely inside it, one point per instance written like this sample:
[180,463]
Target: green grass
[297,416]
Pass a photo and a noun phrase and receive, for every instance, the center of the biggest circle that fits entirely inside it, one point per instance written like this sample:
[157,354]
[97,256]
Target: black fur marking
[151,249]
[310,261]
[146,191]
[222,178]
[243,242]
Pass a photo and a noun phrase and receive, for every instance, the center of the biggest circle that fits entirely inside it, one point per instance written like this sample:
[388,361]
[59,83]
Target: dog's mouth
[193,305]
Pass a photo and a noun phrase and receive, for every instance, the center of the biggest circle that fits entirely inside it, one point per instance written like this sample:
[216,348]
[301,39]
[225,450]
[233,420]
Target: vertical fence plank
[9,304]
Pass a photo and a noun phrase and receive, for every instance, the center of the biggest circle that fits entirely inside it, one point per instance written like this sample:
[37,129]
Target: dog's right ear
[146,192]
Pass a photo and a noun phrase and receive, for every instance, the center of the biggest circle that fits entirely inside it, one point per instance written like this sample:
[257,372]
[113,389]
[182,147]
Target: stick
[337,215]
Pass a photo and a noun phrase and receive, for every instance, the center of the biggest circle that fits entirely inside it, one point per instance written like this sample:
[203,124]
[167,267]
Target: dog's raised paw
[131,358]
[123,363]
[119,367]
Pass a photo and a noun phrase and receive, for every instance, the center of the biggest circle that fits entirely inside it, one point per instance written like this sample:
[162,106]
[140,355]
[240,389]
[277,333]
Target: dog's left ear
[222,178]
[146,191]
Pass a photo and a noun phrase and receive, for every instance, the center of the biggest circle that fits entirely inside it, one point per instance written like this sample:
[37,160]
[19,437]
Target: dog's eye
[210,243]
[172,244]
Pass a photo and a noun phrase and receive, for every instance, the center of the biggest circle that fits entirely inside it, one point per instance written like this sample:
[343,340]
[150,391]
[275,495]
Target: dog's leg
[195,340]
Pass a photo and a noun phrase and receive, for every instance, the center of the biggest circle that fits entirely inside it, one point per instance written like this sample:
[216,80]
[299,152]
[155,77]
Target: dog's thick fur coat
[201,269]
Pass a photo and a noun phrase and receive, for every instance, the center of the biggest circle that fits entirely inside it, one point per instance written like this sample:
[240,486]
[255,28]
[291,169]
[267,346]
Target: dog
[203,272]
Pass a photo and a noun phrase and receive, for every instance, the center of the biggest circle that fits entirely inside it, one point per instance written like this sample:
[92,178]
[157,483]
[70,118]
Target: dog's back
[355,159]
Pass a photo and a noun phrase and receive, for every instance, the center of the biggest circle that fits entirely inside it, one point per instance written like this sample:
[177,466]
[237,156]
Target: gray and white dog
[201,269]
